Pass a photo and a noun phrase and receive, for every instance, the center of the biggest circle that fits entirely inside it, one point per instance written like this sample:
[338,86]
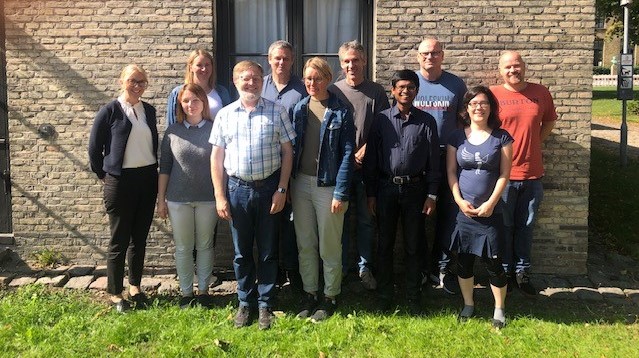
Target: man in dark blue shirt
[401,172]
[284,88]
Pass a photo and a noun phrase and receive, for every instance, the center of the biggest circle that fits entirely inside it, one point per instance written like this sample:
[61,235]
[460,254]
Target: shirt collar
[199,125]
[397,114]
[240,107]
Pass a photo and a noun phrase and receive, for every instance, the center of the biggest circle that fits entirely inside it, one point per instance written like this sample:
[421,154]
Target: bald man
[528,113]
[440,95]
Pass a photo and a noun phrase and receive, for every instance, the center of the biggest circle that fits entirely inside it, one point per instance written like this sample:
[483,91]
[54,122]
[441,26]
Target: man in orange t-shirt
[528,113]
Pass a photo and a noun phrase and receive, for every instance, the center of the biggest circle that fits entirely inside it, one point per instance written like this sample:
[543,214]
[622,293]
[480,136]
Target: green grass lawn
[605,105]
[36,322]
[614,208]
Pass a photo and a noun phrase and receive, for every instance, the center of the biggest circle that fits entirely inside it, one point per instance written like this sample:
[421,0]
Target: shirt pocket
[267,132]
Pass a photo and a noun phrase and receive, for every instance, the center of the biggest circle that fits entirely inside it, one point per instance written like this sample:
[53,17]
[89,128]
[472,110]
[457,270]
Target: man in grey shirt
[365,99]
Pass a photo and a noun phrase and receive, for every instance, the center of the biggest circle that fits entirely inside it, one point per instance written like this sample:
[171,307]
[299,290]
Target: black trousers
[129,200]
[405,203]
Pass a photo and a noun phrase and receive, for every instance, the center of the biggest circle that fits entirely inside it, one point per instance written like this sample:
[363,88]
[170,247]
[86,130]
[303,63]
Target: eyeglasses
[409,88]
[433,54]
[313,79]
[249,78]
[136,83]
[479,104]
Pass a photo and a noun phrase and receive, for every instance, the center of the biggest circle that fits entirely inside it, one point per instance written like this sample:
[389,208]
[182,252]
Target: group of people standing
[288,162]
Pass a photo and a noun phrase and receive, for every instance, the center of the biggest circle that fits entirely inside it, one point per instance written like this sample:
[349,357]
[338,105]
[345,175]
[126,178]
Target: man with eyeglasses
[440,94]
[528,113]
[284,88]
[365,99]
[251,164]
[401,172]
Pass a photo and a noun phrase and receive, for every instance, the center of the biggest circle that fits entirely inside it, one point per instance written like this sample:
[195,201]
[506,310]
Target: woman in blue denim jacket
[322,169]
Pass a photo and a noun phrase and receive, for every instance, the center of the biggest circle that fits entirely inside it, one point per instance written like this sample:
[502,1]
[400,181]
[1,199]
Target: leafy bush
[600,70]
[49,258]
[633,107]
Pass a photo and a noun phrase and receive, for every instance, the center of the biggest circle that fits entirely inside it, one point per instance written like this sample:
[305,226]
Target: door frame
[5,173]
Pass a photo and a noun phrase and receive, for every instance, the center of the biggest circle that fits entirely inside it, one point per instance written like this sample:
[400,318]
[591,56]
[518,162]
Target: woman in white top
[123,154]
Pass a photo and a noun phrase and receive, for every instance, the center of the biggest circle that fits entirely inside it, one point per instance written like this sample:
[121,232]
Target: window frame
[294,34]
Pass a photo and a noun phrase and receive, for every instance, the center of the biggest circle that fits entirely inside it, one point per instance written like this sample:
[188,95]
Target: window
[246,28]
[598,46]
[600,22]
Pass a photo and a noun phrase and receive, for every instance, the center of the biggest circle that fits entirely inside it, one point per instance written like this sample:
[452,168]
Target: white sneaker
[368,281]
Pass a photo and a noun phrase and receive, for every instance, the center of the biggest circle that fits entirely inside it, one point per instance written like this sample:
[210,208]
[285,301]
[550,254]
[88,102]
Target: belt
[256,183]
[405,179]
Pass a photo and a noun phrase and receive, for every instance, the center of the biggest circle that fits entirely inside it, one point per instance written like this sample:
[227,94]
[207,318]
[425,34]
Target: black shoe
[242,317]
[309,303]
[140,301]
[187,302]
[523,281]
[324,310]
[121,306]
[497,324]
[205,301]
[450,284]
[265,318]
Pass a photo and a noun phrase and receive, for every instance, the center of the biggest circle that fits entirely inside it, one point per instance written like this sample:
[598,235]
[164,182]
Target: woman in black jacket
[123,153]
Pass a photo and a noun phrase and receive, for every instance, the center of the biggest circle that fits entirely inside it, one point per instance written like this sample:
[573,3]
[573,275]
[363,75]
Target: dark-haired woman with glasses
[123,153]
[478,164]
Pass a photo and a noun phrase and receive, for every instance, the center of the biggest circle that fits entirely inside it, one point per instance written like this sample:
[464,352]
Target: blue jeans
[365,226]
[251,222]
[521,200]
[445,218]
[405,203]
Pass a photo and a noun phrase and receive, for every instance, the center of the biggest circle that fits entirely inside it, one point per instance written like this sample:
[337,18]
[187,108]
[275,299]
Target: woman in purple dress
[478,165]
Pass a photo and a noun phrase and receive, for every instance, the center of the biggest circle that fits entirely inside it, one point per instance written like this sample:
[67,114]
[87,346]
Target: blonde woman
[200,70]
[122,152]
[185,193]
[322,170]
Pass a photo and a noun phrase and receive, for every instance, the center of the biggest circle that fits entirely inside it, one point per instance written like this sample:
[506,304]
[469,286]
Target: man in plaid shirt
[251,164]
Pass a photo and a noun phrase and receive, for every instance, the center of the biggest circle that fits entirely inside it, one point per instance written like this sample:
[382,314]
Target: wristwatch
[281,190]
[431,196]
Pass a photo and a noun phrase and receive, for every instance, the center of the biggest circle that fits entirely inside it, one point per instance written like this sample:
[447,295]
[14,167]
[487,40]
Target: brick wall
[63,59]
[555,38]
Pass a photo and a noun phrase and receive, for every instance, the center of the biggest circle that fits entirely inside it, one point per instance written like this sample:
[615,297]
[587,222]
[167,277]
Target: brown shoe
[265,318]
[242,317]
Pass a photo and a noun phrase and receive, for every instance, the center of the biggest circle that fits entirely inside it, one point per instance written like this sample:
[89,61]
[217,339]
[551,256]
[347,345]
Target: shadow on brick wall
[50,69]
